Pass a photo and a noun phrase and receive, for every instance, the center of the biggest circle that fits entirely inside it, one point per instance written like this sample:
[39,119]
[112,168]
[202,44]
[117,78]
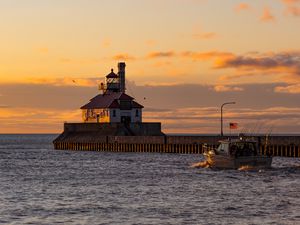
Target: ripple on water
[43,186]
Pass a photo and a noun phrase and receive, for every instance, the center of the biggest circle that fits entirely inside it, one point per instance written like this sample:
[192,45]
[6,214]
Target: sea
[39,185]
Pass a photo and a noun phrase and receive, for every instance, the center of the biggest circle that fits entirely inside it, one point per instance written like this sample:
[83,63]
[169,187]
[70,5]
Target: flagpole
[226,103]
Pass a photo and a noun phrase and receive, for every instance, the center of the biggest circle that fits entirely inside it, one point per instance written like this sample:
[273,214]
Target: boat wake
[202,164]
[247,168]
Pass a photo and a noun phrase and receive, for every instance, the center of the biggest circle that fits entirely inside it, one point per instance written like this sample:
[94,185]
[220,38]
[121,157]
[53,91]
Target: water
[39,185]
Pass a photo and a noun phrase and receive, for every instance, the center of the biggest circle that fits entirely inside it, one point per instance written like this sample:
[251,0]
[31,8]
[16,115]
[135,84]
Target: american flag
[233,126]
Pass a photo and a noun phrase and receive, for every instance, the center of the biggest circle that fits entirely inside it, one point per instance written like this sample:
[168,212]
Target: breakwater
[147,137]
[274,150]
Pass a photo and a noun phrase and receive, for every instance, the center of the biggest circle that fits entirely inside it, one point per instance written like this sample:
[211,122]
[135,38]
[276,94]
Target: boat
[237,153]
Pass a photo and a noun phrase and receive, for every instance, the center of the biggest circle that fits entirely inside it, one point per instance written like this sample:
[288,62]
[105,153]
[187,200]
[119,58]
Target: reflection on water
[201,164]
[41,186]
[248,168]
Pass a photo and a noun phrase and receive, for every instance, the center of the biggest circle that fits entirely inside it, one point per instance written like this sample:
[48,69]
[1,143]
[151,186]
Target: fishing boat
[237,153]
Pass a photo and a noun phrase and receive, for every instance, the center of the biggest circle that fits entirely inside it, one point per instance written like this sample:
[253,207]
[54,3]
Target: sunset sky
[184,59]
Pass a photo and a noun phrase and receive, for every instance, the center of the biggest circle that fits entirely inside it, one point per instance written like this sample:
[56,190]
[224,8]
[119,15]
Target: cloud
[162,64]
[223,88]
[290,1]
[180,107]
[206,55]
[167,54]
[87,61]
[123,57]
[283,66]
[67,81]
[267,15]
[286,64]
[35,120]
[206,120]
[242,7]
[205,35]
[241,74]
[46,95]
[292,7]
[290,89]
[293,10]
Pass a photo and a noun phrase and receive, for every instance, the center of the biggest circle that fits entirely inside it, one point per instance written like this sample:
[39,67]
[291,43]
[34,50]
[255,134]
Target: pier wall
[115,129]
[147,137]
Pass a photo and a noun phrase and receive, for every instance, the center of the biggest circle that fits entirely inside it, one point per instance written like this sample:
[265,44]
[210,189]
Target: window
[136,113]
[114,113]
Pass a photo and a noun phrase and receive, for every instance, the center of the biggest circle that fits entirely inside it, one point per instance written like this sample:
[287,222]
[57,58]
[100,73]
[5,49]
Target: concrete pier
[147,137]
[274,150]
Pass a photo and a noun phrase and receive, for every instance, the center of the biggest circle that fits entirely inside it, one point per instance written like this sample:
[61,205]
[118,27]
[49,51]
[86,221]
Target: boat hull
[227,162]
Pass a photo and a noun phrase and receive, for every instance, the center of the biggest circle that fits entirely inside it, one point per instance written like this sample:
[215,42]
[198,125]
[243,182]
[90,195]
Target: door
[126,119]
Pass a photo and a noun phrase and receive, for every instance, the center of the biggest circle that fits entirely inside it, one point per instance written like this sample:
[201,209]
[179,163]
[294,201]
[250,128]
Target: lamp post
[226,103]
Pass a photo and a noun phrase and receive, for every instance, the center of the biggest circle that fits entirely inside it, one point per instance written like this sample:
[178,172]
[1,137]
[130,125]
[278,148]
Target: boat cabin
[238,148]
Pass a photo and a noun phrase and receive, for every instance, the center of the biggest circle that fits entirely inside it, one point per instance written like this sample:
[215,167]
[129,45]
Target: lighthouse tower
[121,73]
[113,105]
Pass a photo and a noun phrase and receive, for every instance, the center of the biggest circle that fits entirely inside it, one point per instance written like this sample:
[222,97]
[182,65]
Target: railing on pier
[274,150]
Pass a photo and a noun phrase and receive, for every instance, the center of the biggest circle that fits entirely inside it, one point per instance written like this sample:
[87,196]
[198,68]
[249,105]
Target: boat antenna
[253,130]
[243,131]
[267,137]
[259,128]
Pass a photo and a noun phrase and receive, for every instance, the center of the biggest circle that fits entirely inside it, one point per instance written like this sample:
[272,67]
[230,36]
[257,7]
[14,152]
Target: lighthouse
[113,105]
[121,73]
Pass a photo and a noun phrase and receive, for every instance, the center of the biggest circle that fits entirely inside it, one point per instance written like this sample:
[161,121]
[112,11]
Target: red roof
[136,105]
[109,100]
[114,105]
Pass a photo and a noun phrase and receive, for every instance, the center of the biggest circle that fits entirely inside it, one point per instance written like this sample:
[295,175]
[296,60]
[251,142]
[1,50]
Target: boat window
[223,147]
[246,145]
[246,149]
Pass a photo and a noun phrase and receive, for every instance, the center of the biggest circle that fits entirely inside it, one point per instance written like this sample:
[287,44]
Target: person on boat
[233,150]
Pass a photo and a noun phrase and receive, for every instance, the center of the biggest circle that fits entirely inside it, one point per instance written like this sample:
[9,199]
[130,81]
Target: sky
[184,59]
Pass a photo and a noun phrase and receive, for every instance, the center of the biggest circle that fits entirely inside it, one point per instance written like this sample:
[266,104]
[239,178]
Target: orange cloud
[162,64]
[160,54]
[206,55]
[291,89]
[207,35]
[292,7]
[286,60]
[206,119]
[223,88]
[242,7]
[241,74]
[290,1]
[34,120]
[67,81]
[77,61]
[123,57]
[293,10]
[284,65]
[267,15]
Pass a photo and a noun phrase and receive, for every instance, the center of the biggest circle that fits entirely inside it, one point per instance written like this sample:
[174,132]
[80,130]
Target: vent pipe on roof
[121,73]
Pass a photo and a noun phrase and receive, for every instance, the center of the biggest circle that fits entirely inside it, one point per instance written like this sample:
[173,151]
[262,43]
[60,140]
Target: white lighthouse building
[113,105]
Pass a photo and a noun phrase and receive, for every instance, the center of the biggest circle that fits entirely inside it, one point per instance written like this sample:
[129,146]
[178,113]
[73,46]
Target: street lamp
[226,103]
